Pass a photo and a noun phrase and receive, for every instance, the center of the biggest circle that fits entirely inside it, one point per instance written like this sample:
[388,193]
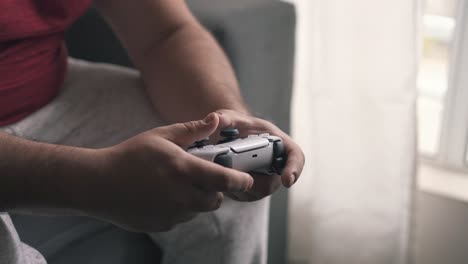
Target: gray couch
[258,36]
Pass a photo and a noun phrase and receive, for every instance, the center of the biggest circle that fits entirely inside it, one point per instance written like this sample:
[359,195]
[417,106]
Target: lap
[235,233]
[70,240]
[99,105]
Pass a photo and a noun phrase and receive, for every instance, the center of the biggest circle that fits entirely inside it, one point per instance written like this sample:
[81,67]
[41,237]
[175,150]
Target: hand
[264,185]
[151,183]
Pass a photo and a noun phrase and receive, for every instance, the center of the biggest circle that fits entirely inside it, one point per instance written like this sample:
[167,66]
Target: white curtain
[354,115]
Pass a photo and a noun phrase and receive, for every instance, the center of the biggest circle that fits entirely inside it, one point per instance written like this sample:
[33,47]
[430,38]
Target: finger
[243,196]
[294,165]
[249,125]
[265,185]
[184,217]
[246,124]
[228,118]
[204,201]
[184,134]
[213,177]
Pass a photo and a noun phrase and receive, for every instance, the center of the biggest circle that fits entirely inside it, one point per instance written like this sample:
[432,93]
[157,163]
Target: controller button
[249,144]
[208,147]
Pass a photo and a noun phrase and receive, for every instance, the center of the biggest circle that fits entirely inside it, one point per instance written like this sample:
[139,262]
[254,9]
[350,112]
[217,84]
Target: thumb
[184,134]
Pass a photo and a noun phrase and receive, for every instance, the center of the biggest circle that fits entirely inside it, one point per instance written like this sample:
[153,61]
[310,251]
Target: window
[443,99]
[438,28]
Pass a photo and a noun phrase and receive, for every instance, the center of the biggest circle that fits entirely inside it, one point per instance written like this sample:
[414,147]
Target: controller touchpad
[239,146]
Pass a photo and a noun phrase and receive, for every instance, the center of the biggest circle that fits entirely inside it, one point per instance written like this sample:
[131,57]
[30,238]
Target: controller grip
[279,156]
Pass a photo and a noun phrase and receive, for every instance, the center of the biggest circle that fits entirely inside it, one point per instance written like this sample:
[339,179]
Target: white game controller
[262,153]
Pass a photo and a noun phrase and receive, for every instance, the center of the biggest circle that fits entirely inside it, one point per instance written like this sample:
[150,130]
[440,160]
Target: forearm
[43,177]
[188,75]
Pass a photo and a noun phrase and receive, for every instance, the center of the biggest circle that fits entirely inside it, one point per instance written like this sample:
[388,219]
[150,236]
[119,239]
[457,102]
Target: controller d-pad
[199,143]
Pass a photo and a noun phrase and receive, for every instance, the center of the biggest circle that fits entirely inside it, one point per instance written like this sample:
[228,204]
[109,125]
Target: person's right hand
[150,183]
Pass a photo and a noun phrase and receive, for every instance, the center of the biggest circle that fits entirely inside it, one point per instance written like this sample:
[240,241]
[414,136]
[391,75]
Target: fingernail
[219,202]
[250,185]
[292,180]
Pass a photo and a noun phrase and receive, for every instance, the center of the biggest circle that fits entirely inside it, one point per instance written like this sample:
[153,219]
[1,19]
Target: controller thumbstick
[229,135]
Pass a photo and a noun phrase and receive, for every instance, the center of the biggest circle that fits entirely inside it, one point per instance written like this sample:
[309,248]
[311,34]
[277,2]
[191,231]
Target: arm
[187,74]
[43,177]
[124,184]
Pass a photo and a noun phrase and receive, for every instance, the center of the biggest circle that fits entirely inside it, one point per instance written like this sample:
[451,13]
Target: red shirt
[33,56]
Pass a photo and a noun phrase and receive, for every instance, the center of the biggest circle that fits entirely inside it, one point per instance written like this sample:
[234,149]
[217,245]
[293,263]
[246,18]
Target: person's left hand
[264,185]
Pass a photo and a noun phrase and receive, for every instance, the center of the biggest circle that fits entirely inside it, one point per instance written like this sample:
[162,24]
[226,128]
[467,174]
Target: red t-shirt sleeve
[32,53]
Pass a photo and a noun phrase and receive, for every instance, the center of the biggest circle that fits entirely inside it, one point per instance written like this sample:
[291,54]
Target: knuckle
[247,122]
[204,205]
[191,126]
[179,166]
[210,202]
[216,202]
[207,206]
[226,182]
[159,131]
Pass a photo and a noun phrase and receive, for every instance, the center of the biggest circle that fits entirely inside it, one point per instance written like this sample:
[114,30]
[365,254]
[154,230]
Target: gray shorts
[101,105]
